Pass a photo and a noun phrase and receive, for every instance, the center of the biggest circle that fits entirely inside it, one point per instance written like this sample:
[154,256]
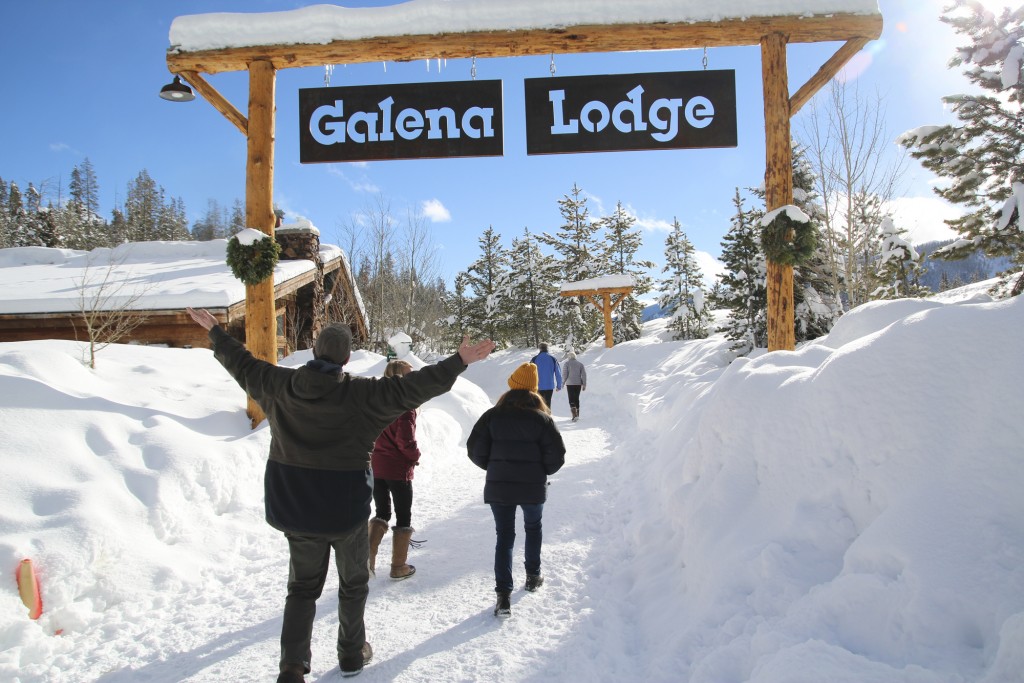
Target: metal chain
[472,69]
[328,70]
[552,63]
[705,60]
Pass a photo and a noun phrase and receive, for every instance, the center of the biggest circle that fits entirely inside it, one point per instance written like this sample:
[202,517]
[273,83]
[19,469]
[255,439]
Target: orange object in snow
[28,587]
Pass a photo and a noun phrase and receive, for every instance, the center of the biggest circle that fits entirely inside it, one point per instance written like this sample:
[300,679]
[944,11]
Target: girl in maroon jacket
[395,454]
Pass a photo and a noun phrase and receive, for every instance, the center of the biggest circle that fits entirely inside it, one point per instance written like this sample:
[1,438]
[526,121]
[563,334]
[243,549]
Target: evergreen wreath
[253,263]
[777,246]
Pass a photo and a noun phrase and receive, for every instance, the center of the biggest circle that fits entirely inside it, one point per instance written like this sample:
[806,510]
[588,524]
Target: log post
[260,317]
[609,340]
[778,183]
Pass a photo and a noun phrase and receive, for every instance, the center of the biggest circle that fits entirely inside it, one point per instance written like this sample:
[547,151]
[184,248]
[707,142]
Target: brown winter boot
[376,529]
[400,553]
[575,413]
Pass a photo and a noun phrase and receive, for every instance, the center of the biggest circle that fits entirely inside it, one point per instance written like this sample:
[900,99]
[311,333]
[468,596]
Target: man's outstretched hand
[202,317]
[470,353]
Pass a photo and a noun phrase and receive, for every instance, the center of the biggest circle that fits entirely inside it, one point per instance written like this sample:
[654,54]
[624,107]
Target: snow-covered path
[438,625]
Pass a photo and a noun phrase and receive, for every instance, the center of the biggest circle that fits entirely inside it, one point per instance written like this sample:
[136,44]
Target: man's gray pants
[307,573]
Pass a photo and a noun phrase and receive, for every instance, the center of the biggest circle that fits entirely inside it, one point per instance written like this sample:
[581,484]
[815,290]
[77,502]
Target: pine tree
[457,323]
[143,207]
[27,227]
[83,227]
[485,278]
[622,243]
[212,225]
[236,223]
[117,231]
[816,303]
[898,267]
[6,236]
[531,289]
[682,293]
[983,155]
[577,320]
[744,280]
[85,187]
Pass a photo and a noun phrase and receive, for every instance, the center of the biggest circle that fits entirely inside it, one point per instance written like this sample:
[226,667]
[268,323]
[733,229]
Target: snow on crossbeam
[484,28]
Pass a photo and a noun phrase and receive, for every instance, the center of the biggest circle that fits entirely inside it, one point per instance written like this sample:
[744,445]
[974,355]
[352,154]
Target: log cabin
[47,293]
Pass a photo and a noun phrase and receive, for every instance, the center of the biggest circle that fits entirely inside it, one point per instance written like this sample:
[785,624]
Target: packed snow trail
[437,625]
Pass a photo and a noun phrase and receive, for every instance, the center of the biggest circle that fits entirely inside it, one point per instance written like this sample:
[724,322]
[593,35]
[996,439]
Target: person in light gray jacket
[575,381]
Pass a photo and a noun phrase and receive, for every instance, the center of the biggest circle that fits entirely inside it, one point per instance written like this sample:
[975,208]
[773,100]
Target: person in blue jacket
[549,375]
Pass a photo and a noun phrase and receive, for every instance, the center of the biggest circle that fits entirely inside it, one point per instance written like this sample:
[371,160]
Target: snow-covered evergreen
[745,294]
[982,156]
[682,291]
[621,244]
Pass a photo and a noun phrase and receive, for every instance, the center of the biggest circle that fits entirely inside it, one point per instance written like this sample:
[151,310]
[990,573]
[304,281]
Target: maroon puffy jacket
[395,452]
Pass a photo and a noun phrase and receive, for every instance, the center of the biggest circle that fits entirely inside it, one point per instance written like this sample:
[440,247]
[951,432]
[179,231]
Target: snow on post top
[607,281]
[794,213]
[323,24]
[249,236]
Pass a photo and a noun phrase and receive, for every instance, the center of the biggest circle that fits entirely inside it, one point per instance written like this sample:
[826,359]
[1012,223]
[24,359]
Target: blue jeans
[505,528]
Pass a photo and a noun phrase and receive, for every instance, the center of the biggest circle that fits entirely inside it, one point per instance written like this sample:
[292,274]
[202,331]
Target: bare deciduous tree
[851,152]
[107,306]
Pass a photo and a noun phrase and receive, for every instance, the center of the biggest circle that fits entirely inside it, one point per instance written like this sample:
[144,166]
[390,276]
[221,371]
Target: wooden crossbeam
[825,74]
[219,102]
[565,40]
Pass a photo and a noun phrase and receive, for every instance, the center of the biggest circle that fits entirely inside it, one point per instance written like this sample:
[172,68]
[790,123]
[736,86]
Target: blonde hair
[397,368]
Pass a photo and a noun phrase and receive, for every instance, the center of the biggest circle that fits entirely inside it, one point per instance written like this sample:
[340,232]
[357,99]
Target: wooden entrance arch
[772,33]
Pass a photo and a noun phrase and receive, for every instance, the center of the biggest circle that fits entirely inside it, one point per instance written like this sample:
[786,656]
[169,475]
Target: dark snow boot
[503,608]
[353,664]
[533,582]
[575,413]
[292,673]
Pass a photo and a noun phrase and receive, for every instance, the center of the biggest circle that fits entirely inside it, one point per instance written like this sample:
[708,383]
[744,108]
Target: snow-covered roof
[322,24]
[139,276]
[603,282]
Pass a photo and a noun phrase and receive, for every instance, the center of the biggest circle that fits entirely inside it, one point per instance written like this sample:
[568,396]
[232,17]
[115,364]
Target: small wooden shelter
[826,22]
[601,291]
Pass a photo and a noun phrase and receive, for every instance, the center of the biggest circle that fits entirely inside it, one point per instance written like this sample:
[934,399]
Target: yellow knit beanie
[525,377]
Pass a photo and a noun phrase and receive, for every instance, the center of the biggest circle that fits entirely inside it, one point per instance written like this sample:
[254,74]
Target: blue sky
[82,81]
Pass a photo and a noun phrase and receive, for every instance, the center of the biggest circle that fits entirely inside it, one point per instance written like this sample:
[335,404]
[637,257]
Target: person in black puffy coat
[519,445]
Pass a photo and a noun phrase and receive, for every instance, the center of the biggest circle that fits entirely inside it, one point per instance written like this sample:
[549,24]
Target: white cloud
[710,267]
[922,217]
[435,211]
[653,224]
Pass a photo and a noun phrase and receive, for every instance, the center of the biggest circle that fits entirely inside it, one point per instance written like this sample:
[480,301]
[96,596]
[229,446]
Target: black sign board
[405,121]
[672,110]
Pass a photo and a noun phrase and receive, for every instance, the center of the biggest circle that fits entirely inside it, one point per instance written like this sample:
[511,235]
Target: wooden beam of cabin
[829,69]
[565,40]
[218,101]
